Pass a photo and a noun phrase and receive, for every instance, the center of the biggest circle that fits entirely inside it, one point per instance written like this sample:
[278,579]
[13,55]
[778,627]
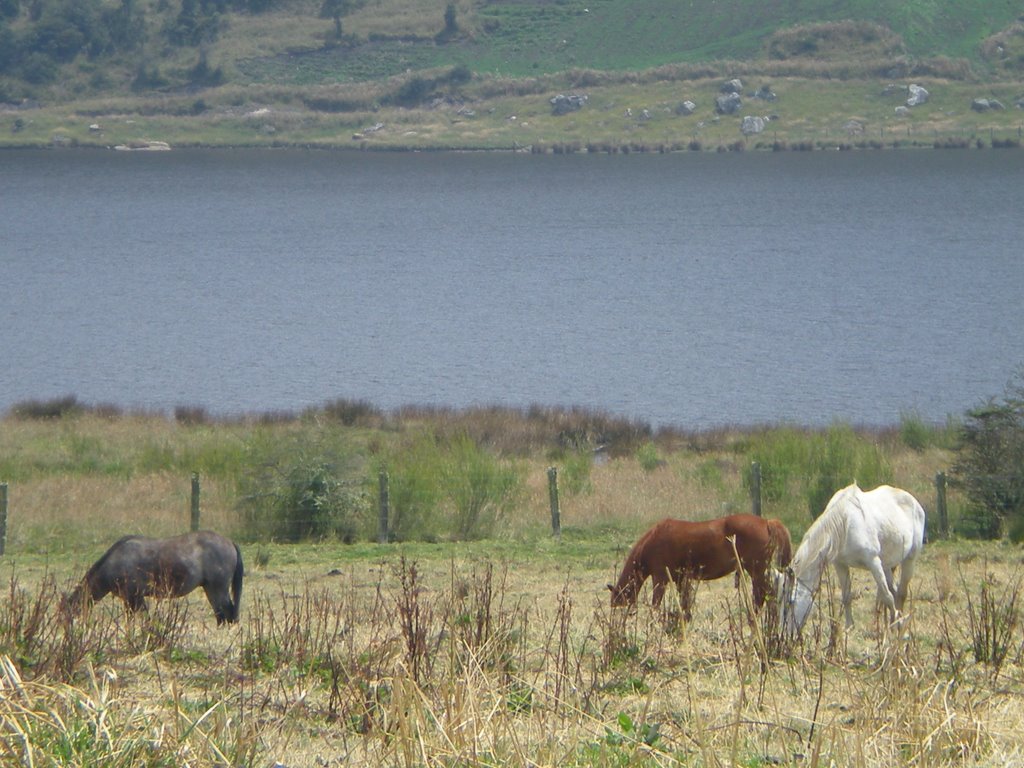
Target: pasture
[498,651]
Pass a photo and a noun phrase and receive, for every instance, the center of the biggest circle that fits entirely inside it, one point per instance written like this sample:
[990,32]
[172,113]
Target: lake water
[692,290]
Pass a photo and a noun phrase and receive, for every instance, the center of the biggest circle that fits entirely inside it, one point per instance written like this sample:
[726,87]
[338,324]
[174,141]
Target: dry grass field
[496,652]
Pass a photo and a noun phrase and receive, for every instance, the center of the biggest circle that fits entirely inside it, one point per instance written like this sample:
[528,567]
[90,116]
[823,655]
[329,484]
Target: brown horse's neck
[634,573]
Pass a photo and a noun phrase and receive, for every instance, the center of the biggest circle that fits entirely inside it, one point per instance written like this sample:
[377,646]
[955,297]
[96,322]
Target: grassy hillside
[457,72]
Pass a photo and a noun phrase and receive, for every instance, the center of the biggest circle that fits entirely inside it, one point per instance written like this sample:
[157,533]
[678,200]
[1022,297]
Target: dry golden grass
[560,679]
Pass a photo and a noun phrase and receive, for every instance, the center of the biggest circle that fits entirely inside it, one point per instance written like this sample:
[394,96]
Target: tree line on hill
[38,37]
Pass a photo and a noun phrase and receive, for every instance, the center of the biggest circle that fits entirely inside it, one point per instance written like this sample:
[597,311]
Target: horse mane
[103,558]
[635,558]
[825,538]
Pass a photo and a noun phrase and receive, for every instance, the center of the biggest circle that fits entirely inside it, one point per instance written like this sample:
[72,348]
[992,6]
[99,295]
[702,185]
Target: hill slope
[55,48]
[454,74]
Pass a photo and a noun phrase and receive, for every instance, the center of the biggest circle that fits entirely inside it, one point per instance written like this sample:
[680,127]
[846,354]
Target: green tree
[990,464]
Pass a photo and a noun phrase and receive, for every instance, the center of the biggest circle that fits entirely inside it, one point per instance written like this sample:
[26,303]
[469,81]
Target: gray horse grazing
[136,568]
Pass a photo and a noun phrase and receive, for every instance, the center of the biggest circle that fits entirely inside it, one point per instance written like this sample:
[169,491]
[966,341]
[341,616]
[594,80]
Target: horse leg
[843,572]
[906,571]
[134,600]
[884,591]
[687,590]
[759,586]
[221,603]
[889,583]
[659,581]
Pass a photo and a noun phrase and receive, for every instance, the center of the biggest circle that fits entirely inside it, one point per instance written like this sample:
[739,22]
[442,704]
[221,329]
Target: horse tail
[236,585]
[781,543]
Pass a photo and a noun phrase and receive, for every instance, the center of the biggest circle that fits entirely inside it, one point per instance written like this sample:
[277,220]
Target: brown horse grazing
[135,568]
[681,550]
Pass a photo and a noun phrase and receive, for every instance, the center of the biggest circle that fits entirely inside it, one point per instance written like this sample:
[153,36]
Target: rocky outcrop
[752,125]
[563,104]
[917,97]
[984,105]
[728,103]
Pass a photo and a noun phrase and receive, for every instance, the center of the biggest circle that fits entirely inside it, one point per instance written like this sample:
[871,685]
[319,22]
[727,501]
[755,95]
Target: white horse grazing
[876,530]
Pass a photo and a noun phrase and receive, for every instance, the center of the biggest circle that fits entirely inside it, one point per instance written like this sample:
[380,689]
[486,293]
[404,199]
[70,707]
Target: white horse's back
[893,527]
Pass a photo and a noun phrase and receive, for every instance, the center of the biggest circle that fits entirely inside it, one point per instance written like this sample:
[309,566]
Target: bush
[784,455]
[55,408]
[414,489]
[990,463]
[817,464]
[480,488]
[451,489]
[647,456]
[306,486]
[574,475]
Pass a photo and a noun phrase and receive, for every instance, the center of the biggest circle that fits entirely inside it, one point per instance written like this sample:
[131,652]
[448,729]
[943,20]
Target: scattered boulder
[686,108]
[918,95]
[563,104]
[765,93]
[984,105]
[902,111]
[752,124]
[732,86]
[728,103]
[853,128]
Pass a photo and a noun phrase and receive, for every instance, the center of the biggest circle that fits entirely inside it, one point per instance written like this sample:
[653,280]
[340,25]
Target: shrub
[480,488]
[914,433]
[784,456]
[308,485]
[450,488]
[647,456]
[990,463]
[414,488]
[55,408]
[574,476]
[818,464]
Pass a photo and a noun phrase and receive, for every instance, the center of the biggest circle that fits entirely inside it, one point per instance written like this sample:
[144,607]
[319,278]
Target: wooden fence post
[556,521]
[940,504]
[384,509]
[3,518]
[195,502]
[755,488]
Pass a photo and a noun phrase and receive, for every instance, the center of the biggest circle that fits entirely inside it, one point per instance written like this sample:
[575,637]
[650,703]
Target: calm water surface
[694,290]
